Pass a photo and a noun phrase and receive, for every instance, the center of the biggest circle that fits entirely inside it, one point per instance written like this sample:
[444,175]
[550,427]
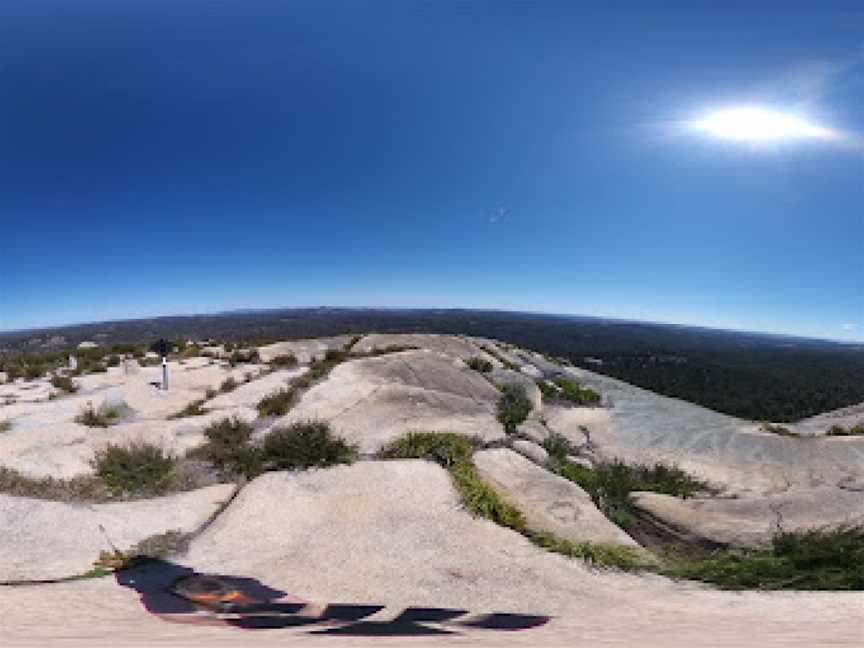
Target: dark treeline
[754,376]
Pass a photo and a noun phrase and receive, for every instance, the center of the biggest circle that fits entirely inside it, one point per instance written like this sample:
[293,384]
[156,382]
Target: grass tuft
[103,417]
[64,383]
[195,408]
[839,430]
[479,364]
[5,425]
[284,361]
[77,489]
[444,448]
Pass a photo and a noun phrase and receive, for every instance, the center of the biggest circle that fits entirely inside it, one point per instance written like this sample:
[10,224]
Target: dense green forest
[755,376]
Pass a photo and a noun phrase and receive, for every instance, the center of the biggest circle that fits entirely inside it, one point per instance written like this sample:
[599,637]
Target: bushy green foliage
[479,364]
[817,559]
[557,446]
[513,407]
[104,416]
[444,448]
[573,392]
[284,361]
[138,468]
[305,444]
[610,484]
[548,390]
[228,449]
[5,425]
[64,383]
[277,403]
[839,430]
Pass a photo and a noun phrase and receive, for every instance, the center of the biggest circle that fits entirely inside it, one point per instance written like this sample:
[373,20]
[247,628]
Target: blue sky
[161,157]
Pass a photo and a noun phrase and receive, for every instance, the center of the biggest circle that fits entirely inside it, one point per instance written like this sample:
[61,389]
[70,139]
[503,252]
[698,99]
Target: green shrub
[277,403]
[817,559]
[32,372]
[557,446]
[513,407]
[839,430]
[103,417]
[244,357]
[479,364]
[195,408]
[610,484]
[305,444]
[113,361]
[284,361]
[138,468]
[228,448]
[573,392]
[228,385]
[5,425]
[444,448]
[547,389]
[64,383]
[778,429]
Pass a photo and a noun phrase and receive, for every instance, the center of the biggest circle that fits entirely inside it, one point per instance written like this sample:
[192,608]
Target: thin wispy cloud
[499,213]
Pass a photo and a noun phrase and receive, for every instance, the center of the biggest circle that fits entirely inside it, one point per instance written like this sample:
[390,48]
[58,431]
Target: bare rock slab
[49,540]
[749,522]
[549,503]
[531,450]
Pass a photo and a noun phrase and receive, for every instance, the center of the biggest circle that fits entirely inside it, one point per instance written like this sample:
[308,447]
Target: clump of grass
[64,383]
[778,429]
[228,385]
[102,417]
[305,444]
[5,425]
[284,361]
[444,448]
[77,489]
[839,430]
[138,468]
[597,555]
[513,407]
[277,403]
[610,484]
[210,393]
[557,446]
[479,364]
[243,357]
[816,559]
[481,500]
[228,449]
[195,408]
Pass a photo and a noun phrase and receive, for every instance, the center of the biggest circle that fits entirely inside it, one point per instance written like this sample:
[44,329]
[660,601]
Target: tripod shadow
[179,594]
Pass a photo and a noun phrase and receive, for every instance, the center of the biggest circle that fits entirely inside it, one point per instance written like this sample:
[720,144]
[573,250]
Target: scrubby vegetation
[238,356]
[513,407]
[500,358]
[195,408]
[598,555]
[64,383]
[136,469]
[280,402]
[781,430]
[839,430]
[228,448]
[284,361]
[77,489]
[5,425]
[228,385]
[573,392]
[277,403]
[479,364]
[610,484]
[818,559]
[444,448]
[305,444]
[104,416]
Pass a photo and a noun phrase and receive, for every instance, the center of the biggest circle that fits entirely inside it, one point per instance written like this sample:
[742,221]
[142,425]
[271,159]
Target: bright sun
[758,124]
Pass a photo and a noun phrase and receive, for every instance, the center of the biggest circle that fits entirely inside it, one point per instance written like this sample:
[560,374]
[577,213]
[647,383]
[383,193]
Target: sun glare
[758,124]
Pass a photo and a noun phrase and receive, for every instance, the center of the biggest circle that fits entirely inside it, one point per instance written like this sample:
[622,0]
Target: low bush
[195,408]
[228,385]
[305,444]
[113,361]
[839,430]
[64,383]
[77,489]
[816,559]
[5,425]
[277,403]
[244,357]
[228,449]
[557,446]
[284,361]
[138,468]
[778,429]
[610,484]
[103,417]
[573,392]
[444,448]
[479,364]
[513,407]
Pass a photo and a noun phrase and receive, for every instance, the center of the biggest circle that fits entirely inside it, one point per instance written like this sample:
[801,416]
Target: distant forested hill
[748,375]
